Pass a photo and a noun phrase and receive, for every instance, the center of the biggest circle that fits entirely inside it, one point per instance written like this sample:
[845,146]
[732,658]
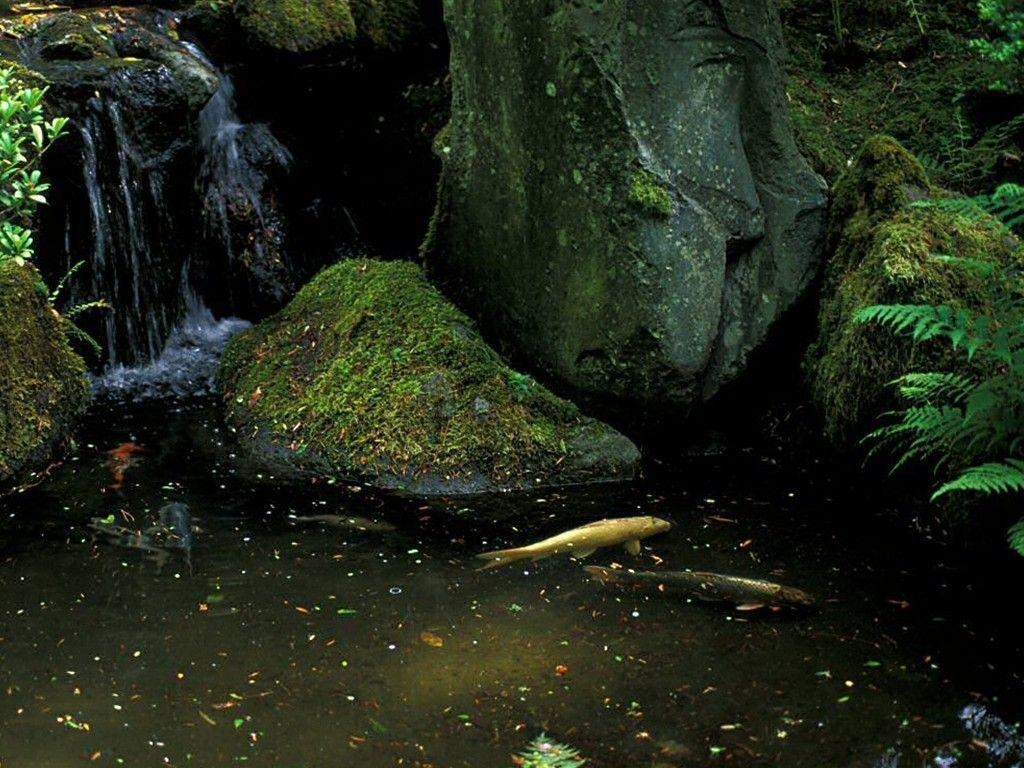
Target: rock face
[44,386]
[622,204]
[882,251]
[370,374]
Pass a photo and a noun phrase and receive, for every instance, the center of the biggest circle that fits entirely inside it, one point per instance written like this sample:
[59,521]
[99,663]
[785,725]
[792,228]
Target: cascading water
[242,223]
[187,365]
[154,146]
[124,234]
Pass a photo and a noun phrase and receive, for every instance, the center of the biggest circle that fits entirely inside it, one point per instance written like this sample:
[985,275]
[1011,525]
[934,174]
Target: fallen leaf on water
[562,669]
[431,639]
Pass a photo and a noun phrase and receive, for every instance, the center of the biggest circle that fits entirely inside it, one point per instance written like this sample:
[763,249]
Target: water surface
[269,642]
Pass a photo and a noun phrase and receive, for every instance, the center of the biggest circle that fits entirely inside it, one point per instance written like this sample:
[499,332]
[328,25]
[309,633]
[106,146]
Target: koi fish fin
[750,606]
[633,547]
[579,555]
[600,573]
[498,557]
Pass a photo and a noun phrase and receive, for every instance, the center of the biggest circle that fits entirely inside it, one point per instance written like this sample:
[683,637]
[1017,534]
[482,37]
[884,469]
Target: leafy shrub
[970,426]
[24,137]
[1007,18]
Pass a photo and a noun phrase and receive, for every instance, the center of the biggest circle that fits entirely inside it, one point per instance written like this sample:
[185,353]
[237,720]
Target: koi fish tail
[501,557]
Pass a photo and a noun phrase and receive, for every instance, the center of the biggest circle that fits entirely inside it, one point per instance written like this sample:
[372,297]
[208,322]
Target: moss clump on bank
[370,373]
[44,386]
[651,197]
[302,26]
[883,252]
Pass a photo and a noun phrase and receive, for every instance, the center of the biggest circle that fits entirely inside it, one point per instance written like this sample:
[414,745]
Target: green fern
[1015,537]
[991,478]
[1004,207]
[969,423]
[546,753]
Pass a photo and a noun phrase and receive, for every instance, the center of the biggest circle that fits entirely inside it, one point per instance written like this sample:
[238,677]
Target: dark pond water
[259,640]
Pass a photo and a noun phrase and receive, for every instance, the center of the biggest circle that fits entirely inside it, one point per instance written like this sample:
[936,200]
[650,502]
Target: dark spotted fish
[704,585]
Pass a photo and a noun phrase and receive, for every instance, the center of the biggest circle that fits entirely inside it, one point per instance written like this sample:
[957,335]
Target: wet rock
[196,77]
[370,374]
[881,251]
[622,202]
[44,387]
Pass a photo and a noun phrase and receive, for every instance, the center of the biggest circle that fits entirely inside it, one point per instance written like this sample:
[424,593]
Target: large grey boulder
[622,203]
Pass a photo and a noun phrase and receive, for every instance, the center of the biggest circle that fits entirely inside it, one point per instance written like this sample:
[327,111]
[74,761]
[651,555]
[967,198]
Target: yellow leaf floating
[434,641]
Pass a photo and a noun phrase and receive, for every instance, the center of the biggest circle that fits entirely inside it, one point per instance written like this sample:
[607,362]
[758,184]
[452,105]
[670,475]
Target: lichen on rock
[44,386]
[369,373]
[882,251]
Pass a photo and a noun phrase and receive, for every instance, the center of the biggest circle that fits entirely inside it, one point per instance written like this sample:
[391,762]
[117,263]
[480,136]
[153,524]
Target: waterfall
[125,236]
[173,204]
[187,365]
[238,163]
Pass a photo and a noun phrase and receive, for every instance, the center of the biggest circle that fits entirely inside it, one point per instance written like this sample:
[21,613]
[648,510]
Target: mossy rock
[883,252]
[71,37]
[44,386]
[370,374]
[304,26]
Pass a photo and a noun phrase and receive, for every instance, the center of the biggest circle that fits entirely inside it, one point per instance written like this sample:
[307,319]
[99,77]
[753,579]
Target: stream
[255,638]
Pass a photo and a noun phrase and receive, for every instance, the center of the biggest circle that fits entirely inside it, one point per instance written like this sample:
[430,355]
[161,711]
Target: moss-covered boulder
[622,202]
[304,26]
[882,251]
[370,374]
[44,387]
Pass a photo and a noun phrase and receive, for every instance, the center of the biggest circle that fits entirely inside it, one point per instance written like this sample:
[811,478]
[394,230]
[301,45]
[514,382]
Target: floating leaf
[434,641]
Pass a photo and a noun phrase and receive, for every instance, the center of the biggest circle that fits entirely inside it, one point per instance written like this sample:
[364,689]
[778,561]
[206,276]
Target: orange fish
[120,460]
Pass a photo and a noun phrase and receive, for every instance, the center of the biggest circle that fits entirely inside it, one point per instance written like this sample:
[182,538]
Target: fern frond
[72,312]
[930,388]
[1015,537]
[56,292]
[991,478]
[1005,206]
[77,334]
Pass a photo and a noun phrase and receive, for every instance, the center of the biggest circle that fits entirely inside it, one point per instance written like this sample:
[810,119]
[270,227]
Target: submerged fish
[583,541]
[176,522]
[352,523]
[120,460]
[715,587]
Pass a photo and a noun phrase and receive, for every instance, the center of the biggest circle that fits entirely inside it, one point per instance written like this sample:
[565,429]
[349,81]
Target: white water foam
[186,367]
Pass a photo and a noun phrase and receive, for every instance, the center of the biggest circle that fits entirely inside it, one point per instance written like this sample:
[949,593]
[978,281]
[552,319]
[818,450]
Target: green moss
[296,25]
[387,24]
[369,372]
[882,180]
[301,26]
[44,387]
[883,253]
[891,80]
[650,196]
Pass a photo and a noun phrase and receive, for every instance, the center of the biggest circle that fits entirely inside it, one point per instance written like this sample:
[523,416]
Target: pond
[246,636]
